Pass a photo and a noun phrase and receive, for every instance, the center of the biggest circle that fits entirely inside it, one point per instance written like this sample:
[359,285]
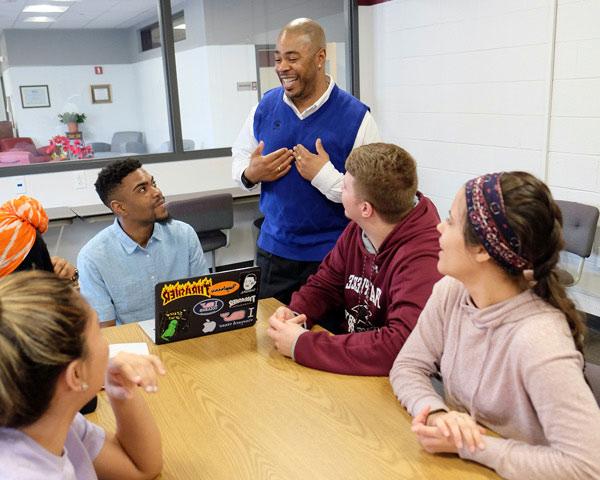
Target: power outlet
[20,186]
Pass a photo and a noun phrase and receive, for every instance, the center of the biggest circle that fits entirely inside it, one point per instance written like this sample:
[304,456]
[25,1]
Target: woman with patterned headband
[508,346]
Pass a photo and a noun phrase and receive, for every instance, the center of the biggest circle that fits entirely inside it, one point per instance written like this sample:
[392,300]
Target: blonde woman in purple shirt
[505,338]
[53,360]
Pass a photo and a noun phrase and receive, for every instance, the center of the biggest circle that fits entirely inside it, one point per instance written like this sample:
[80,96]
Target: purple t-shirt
[21,458]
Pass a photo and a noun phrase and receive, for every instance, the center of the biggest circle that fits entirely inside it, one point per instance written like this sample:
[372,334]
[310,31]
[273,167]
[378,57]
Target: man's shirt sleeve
[329,180]
[93,288]
[242,149]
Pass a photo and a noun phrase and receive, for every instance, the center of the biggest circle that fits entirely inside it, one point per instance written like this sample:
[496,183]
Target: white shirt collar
[315,106]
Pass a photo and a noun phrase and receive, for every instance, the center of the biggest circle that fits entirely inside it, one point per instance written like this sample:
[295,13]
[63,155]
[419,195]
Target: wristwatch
[247,183]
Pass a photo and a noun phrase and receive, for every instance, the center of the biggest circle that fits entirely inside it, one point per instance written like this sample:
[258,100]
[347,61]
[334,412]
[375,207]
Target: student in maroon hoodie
[379,274]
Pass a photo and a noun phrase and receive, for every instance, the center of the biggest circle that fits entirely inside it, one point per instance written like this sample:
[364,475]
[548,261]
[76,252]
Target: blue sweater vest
[300,222]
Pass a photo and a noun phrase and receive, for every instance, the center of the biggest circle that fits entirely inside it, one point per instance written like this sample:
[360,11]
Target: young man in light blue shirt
[120,266]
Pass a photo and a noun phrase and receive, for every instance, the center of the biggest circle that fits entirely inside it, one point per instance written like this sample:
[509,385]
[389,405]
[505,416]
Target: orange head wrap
[20,218]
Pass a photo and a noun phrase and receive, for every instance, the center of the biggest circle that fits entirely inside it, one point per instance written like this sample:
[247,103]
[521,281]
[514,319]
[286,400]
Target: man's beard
[164,220]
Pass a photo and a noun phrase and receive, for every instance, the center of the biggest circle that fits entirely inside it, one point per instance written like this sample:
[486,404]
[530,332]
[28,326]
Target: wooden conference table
[232,408]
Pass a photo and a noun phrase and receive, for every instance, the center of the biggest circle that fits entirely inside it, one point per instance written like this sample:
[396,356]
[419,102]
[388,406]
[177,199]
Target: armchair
[24,144]
[9,159]
[187,146]
[122,142]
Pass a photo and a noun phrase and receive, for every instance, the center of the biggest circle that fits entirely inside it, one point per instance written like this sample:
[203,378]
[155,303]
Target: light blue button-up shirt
[117,276]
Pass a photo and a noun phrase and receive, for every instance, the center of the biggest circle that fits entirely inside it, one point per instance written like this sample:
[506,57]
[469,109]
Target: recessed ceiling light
[45,9]
[39,19]
[180,27]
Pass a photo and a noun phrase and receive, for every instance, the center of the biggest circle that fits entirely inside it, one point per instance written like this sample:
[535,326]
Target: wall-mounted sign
[246,86]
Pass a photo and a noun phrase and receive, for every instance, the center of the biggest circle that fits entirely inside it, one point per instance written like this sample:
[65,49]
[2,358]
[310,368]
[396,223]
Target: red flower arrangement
[61,148]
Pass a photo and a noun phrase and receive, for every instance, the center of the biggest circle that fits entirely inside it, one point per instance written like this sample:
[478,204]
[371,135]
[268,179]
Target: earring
[84,387]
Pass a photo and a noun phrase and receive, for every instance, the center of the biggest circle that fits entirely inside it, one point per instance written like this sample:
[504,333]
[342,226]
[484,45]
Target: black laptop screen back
[214,303]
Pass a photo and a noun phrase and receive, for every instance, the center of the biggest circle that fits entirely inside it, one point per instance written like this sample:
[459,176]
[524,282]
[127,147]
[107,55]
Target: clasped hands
[447,432]
[285,326]
[62,268]
[277,164]
[127,371]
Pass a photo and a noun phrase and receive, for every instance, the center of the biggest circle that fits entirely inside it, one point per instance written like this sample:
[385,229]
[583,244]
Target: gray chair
[579,229]
[122,142]
[592,373]
[207,215]
[166,147]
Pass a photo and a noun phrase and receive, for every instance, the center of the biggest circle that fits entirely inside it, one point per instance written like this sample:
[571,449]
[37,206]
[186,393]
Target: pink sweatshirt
[514,367]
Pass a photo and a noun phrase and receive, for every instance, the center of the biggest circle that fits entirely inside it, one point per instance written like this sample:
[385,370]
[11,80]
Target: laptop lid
[198,306]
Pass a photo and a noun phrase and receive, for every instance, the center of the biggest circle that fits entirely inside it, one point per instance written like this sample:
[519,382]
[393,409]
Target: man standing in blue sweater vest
[294,144]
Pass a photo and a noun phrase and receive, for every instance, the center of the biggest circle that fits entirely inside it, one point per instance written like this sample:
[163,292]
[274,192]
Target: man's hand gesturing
[270,167]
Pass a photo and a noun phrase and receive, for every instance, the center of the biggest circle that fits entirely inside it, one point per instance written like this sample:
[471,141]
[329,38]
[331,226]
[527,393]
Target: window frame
[149,28]
[165,20]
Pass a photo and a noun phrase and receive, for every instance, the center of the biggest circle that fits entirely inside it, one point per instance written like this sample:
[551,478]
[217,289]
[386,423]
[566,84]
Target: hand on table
[284,314]
[270,167]
[62,268]
[447,432]
[284,328]
[126,371]
[309,164]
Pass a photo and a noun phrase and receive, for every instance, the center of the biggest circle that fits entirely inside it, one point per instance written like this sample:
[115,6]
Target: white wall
[461,86]
[76,188]
[228,107]
[574,162]
[69,89]
[212,108]
[471,87]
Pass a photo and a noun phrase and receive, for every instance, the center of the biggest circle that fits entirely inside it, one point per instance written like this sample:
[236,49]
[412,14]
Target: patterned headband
[487,216]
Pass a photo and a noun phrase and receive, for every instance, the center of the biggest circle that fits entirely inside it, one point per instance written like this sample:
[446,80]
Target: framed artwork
[101,93]
[35,96]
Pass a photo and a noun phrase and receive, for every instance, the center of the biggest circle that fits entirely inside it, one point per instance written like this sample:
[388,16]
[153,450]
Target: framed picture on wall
[35,96]
[101,93]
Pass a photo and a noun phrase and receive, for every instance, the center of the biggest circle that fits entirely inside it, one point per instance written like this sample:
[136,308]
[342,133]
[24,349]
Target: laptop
[198,306]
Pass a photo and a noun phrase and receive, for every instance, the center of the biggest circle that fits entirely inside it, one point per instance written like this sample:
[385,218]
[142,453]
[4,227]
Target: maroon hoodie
[382,296]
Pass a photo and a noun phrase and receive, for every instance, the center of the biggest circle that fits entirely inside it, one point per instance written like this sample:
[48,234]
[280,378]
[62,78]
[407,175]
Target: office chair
[579,229]
[207,215]
[122,142]
[167,147]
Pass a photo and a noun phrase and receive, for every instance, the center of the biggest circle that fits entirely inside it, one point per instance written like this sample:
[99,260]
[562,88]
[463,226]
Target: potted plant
[72,120]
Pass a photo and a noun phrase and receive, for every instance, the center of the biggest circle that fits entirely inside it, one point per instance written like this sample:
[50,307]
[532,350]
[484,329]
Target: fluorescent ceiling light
[180,27]
[45,9]
[39,19]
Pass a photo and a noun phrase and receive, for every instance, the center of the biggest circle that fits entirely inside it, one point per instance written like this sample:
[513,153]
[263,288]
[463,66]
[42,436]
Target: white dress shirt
[329,180]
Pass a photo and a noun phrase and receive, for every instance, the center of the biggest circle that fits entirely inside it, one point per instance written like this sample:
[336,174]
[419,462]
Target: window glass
[226,61]
[79,85]
[150,35]
[93,75]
